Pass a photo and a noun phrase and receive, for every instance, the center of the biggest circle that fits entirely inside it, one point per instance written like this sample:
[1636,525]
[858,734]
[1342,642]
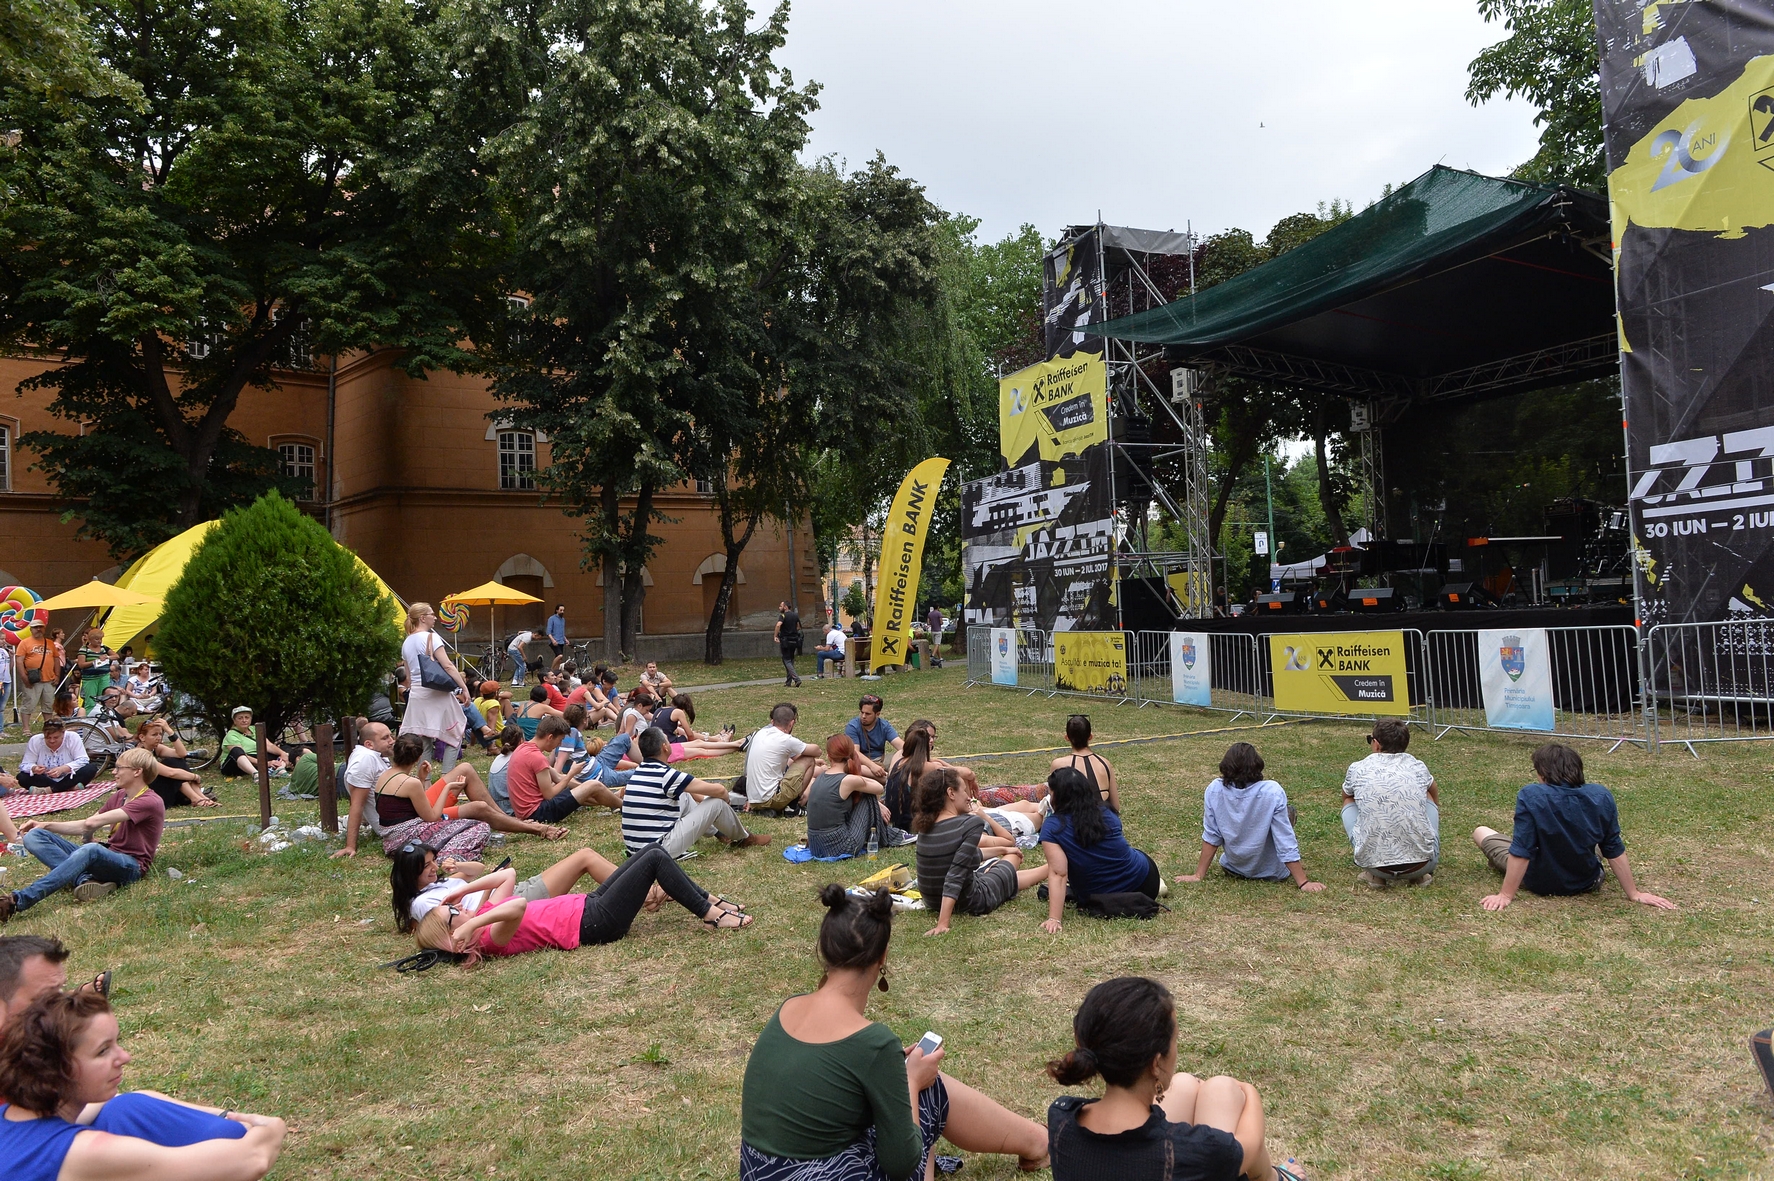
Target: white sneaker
[1371,879]
[93,891]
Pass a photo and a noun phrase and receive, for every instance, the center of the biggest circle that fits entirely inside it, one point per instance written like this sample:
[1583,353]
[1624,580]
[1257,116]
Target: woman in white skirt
[432,713]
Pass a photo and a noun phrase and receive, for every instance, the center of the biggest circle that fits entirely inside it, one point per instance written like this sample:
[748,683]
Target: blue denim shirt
[603,768]
[1558,830]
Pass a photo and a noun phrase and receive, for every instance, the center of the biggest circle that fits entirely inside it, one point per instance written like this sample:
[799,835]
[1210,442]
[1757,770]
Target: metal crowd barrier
[1711,682]
[1596,686]
[1235,683]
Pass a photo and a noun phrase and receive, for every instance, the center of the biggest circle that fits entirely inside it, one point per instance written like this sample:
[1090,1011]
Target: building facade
[436,496]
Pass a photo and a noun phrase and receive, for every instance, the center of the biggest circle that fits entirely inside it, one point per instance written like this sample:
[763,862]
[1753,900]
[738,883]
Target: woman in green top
[239,742]
[832,1096]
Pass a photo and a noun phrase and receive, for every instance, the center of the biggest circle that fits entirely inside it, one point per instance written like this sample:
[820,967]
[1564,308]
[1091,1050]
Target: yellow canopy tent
[493,595]
[96,594]
[154,573]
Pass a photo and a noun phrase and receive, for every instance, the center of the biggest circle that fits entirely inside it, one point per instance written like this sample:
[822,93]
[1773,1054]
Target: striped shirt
[650,804]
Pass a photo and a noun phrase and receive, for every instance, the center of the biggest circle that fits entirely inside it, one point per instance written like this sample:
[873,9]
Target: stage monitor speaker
[1375,600]
[1285,603]
[1329,602]
[1460,596]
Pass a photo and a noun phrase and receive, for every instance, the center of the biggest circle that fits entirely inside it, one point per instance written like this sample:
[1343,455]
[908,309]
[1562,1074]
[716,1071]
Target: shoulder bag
[432,674]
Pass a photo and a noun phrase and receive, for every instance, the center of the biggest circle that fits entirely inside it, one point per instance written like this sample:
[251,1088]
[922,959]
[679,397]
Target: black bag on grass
[1132,905]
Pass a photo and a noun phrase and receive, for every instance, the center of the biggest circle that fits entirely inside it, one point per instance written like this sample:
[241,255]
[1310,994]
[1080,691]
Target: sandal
[720,923]
[101,984]
[554,833]
[727,904]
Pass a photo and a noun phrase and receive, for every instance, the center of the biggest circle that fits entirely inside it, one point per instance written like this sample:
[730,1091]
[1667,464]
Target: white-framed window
[517,305]
[705,487]
[296,460]
[517,460]
[298,350]
[203,341]
[5,457]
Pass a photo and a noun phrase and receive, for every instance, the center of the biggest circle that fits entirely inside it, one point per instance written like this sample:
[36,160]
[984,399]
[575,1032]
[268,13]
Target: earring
[882,982]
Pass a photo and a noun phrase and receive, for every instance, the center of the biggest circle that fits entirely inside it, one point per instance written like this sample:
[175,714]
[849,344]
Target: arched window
[517,460]
[298,458]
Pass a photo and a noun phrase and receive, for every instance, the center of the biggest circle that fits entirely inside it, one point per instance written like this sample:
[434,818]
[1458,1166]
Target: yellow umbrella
[155,572]
[96,594]
[492,595]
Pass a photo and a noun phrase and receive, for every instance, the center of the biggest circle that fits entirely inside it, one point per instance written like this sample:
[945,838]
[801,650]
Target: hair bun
[1084,1059]
[880,904]
[833,896]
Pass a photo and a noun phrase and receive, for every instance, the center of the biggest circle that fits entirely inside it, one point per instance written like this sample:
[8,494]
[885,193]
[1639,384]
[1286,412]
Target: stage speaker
[1284,603]
[1458,596]
[1329,602]
[1375,600]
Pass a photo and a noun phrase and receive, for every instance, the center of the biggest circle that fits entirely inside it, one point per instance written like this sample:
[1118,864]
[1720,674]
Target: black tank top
[1089,769]
[392,809]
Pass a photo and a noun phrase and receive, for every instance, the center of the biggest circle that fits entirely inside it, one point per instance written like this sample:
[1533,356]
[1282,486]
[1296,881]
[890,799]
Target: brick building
[435,496]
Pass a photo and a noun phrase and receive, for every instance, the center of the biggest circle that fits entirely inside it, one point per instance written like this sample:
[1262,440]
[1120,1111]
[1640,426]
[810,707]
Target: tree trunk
[868,578]
[732,546]
[1236,459]
[1327,496]
[634,591]
[609,508]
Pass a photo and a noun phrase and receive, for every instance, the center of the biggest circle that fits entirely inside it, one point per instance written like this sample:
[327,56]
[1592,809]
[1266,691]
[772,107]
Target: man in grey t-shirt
[1391,811]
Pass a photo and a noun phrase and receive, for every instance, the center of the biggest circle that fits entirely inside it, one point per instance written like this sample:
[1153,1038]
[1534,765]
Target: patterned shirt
[651,803]
[1392,825]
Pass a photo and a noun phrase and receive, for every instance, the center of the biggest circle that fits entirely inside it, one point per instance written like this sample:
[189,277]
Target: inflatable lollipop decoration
[453,617]
[18,611]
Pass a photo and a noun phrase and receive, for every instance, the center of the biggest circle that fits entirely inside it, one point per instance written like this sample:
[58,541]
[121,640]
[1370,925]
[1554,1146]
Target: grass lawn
[1392,1035]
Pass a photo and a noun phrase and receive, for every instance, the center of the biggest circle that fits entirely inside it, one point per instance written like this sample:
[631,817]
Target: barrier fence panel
[1229,659]
[1712,682]
[1588,686]
[979,654]
[1034,660]
[1413,664]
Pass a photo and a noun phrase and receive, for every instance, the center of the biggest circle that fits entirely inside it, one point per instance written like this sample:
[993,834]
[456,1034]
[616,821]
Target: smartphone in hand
[930,1043]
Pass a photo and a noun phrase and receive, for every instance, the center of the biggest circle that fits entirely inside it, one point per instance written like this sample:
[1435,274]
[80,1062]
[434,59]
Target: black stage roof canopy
[1455,286]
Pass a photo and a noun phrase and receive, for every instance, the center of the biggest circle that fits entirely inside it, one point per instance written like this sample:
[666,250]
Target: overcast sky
[1155,112]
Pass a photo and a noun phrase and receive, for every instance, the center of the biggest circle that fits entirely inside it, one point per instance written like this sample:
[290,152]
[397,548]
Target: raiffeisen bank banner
[1688,102]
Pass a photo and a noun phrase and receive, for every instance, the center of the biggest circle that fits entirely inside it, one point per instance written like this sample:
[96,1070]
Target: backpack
[1132,905]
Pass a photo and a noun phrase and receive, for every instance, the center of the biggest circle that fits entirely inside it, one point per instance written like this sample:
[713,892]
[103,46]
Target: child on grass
[1247,819]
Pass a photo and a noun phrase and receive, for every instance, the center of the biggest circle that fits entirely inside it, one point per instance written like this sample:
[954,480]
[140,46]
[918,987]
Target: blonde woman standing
[432,713]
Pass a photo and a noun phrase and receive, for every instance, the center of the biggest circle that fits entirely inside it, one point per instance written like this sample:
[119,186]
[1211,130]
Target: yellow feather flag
[902,561]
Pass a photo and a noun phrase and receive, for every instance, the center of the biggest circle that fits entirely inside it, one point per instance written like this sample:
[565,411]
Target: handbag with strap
[432,674]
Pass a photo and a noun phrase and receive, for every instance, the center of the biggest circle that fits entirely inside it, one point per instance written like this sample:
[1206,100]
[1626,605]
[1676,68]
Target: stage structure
[1455,287]
[1052,539]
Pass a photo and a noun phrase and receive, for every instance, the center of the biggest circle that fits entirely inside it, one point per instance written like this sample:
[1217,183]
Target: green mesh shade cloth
[1454,285]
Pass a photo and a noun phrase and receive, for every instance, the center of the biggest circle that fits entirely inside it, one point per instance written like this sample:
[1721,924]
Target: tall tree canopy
[1550,59]
[269,180]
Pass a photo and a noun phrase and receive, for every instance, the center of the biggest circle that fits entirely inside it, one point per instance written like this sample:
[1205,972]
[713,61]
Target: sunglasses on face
[872,701]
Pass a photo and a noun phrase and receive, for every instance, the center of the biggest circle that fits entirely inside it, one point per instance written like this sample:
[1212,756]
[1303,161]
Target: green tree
[276,180]
[273,613]
[659,149]
[1550,59]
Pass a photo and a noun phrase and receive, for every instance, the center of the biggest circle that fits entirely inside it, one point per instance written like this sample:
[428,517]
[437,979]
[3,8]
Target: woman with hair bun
[832,1096]
[1153,1120]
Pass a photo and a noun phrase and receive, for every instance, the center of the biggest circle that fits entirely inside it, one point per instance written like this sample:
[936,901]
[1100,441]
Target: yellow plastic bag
[895,877]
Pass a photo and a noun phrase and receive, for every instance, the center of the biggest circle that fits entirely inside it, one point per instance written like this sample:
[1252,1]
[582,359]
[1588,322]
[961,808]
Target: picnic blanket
[801,853]
[20,804]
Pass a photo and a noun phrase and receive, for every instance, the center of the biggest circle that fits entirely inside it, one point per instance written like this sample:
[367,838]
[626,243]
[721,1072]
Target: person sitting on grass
[93,869]
[1249,819]
[778,765]
[1391,811]
[657,682]
[510,739]
[1094,767]
[677,718]
[530,714]
[949,826]
[491,704]
[239,745]
[1564,826]
[421,881]
[537,791]
[904,770]
[830,1094]
[174,781]
[507,925]
[55,760]
[877,742]
[410,808]
[844,805]
[652,811]
[60,1057]
[1153,1120]
[599,697]
[1086,850]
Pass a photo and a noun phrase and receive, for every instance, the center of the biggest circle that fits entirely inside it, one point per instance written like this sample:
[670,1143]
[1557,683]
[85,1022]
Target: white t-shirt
[410,648]
[835,638]
[765,762]
[428,899]
[361,771]
[1392,825]
[520,639]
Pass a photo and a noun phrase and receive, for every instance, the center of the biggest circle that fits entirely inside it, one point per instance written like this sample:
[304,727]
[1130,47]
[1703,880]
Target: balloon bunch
[18,611]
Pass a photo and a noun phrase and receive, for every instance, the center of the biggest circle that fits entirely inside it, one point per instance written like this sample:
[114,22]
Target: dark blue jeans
[70,864]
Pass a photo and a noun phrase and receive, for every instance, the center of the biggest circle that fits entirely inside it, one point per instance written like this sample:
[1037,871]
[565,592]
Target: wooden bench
[857,653]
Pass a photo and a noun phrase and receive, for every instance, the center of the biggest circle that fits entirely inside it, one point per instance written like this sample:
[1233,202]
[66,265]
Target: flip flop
[101,984]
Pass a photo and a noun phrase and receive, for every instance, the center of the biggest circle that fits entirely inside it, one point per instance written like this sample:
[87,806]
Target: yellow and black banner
[902,561]
[1090,662]
[1688,112]
[1053,409]
[1340,673]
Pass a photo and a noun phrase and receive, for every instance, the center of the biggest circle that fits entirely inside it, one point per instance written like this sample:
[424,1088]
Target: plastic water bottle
[874,845]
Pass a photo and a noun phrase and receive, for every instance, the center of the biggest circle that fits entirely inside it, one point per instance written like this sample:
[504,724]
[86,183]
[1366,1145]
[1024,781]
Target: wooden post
[264,776]
[329,802]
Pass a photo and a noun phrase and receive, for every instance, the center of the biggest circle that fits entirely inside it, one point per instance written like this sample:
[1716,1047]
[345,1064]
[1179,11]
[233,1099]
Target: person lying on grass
[1247,819]
[844,805]
[507,925]
[420,881]
[1153,1120]
[62,1055]
[36,965]
[950,828]
[1562,823]
[406,806]
[1086,849]
[830,1094]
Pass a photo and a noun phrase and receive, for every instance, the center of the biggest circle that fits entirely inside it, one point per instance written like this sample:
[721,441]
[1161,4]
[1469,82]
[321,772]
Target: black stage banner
[1688,105]
[1071,276]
